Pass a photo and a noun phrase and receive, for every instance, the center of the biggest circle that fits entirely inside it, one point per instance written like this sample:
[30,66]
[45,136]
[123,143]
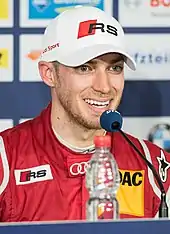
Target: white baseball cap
[82,33]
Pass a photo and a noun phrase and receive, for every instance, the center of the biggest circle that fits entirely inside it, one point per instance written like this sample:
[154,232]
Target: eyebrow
[115,60]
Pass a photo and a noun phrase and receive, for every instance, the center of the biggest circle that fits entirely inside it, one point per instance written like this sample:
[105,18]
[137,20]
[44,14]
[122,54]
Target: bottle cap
[102,141]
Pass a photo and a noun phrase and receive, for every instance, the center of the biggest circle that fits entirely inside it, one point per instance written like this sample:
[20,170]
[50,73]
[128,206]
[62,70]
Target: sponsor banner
[152,55]
[154,129]
[37,13]
[5,123]
[6,58]
[6,13]
[154,13]
[29,57]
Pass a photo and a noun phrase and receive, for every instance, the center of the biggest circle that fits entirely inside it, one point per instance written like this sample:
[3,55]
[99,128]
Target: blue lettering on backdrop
[151,58]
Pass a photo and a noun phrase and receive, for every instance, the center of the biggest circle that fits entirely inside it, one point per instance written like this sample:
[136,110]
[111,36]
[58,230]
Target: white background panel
[143,13]
[30,47]
[141,126]
[152,55]
[5,123]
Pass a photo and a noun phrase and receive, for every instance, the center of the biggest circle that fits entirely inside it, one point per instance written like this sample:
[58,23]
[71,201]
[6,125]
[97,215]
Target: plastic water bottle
[102,182]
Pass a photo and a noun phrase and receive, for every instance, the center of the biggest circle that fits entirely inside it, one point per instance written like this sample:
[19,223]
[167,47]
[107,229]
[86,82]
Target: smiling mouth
[98,104]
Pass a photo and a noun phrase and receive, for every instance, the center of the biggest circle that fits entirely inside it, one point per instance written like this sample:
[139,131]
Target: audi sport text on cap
[82,33]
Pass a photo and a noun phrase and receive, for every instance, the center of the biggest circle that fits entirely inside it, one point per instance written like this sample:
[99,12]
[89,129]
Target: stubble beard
[75,116]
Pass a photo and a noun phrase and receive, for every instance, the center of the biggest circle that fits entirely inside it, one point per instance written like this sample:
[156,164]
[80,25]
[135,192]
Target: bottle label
[105,210]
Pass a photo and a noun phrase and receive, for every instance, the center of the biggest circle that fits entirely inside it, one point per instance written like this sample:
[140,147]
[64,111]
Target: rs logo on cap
[89,27]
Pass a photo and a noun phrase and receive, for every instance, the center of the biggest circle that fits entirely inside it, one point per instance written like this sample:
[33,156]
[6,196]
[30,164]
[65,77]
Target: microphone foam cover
[111,121]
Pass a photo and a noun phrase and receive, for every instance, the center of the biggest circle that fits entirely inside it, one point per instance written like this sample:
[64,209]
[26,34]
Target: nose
[101,82]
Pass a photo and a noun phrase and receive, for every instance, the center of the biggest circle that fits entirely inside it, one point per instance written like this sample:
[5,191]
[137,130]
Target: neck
[70,131]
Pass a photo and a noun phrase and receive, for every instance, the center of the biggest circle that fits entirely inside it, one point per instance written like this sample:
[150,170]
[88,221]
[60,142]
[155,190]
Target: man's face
[85,92]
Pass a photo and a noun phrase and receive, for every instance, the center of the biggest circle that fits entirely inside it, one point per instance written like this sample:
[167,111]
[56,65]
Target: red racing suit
[41,179]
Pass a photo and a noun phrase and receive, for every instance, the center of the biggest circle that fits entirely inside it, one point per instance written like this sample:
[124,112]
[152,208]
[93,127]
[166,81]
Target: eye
[84,68]
[116,68]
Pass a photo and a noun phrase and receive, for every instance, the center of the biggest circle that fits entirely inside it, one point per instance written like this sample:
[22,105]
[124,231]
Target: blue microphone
[111,121]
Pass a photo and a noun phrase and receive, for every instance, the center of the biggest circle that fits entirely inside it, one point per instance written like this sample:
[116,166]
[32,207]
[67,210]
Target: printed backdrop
[145,105]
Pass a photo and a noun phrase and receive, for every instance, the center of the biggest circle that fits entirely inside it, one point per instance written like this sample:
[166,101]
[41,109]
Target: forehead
[109,57]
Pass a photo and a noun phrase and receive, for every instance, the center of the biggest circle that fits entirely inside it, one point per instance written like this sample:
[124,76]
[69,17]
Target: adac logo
[131,178]
[4,57]
[131,192]
[41,5]
[34,55]
[4,9]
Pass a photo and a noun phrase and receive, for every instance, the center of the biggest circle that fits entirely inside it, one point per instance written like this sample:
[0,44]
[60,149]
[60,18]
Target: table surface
[146,226]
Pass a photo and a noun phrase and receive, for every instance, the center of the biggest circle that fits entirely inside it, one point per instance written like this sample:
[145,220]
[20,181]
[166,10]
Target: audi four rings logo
[79,168]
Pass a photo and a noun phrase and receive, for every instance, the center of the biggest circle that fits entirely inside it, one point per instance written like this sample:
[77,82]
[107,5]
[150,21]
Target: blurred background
[146,101]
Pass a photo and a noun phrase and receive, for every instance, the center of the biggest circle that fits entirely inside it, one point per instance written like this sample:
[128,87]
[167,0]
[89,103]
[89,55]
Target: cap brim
[86,54]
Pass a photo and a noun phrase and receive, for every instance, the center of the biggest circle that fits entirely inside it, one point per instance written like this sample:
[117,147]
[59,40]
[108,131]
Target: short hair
[55,64]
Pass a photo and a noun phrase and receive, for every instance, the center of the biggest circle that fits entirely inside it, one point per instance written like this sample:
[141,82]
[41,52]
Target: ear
[47,73]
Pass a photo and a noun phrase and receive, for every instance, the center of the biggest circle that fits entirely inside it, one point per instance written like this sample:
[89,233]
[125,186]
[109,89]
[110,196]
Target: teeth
[98,103]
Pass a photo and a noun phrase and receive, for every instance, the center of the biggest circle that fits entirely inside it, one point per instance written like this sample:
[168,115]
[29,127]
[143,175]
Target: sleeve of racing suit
[4,179]
[161,161]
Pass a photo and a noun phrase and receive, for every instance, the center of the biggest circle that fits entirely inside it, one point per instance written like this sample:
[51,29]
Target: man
[43,161]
